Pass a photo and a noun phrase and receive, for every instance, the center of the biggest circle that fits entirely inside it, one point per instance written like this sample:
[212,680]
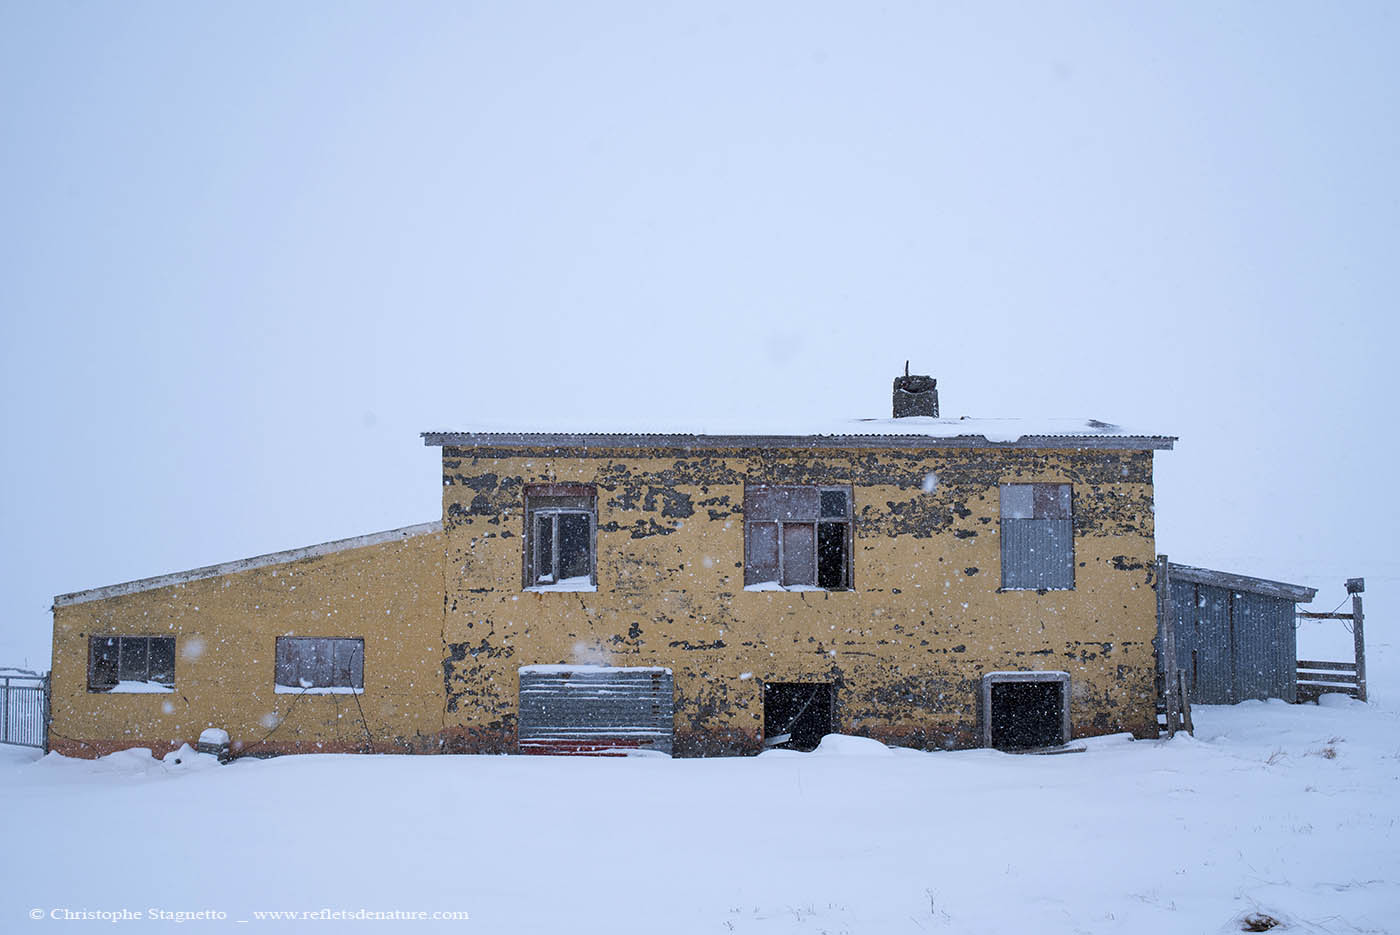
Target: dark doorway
[796,715]
[1026,712]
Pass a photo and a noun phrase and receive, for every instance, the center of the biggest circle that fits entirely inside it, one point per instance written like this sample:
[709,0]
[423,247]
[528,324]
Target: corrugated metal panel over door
[1214,663]
[595,709]
[1037,553]
[1265,648]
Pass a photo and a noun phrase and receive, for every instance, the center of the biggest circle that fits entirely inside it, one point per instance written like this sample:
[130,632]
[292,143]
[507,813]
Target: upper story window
[320,665]
[797,537]
[561,527]
[131,663]
[1037,537]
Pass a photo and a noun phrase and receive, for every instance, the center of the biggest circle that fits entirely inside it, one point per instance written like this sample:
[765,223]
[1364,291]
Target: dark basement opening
[1026,714]
[797,715]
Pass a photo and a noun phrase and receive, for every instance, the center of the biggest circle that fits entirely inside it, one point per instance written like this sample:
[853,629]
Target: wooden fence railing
[1320,678]
[1348,678]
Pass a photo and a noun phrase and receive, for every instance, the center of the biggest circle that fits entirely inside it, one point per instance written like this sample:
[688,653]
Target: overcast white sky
[251,250]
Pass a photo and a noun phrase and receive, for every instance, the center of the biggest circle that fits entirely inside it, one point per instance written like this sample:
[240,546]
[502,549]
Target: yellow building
[927,582]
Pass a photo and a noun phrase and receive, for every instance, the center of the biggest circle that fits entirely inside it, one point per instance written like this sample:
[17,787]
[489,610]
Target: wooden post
[1359,637]
[1185,696]
[1166,644]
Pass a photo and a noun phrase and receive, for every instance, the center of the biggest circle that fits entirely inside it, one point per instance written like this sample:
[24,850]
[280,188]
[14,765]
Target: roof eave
[284,557]
[681,441]
[1223,579]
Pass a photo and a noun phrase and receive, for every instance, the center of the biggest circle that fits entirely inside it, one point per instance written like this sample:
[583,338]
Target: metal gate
[24,710]
[598,710]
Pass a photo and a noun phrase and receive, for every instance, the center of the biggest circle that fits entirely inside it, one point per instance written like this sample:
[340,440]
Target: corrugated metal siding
[1265,647]
[1184,612]
[592,711]
[1037,553]
[1234,645]
[1214,663]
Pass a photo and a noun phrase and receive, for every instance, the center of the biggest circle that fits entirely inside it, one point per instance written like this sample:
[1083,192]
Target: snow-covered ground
[1290,811]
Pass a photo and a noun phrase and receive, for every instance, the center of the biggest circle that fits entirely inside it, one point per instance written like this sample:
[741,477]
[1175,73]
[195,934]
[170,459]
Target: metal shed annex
[1235,635]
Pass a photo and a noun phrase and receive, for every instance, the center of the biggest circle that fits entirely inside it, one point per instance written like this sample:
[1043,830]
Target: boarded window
[1037,537]
[797,536]
[130,660]
[562,527]
[305,662]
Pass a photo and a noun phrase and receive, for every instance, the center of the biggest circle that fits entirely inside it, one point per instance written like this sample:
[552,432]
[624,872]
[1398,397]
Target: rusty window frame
[795,514]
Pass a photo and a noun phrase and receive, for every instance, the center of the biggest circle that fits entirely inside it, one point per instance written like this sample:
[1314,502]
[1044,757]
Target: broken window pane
[781,535]
[544,547]
[575,559]
[831,555]
[560,533]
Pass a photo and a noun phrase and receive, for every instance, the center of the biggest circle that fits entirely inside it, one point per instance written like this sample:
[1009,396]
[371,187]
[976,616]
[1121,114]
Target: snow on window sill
[775,586]
[140,688]
[318,690]
[580,583]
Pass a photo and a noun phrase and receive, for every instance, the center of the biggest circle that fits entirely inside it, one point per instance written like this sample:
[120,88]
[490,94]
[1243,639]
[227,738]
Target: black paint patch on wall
[689,646]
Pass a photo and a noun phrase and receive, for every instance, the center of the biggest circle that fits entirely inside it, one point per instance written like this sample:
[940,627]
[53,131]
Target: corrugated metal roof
[913,432]
[1251,585]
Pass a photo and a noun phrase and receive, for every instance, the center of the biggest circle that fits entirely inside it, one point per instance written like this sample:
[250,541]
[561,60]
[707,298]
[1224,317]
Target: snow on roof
[912,431]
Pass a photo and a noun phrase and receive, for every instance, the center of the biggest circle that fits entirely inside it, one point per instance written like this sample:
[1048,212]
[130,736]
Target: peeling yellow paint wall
[905,648]
[447,622]
[225,630]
